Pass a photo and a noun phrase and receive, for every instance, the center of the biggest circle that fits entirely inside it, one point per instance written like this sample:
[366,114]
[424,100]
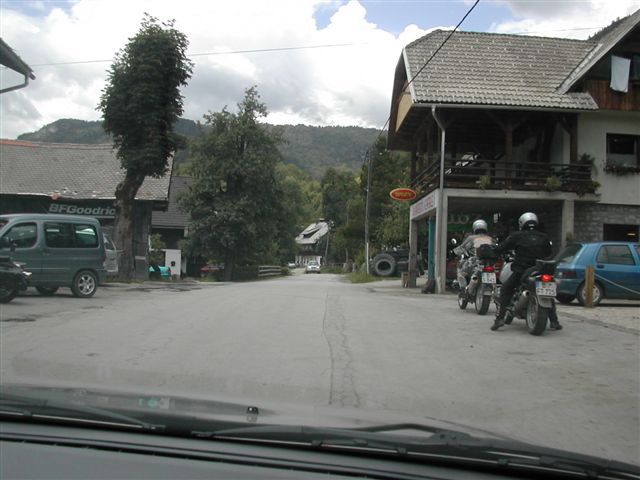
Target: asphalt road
[318,340]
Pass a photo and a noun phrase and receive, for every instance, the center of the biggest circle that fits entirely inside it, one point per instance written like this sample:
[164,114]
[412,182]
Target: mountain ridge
[314,149]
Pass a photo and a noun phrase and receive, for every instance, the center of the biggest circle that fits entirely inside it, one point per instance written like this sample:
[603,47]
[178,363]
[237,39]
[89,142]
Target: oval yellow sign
[403,194]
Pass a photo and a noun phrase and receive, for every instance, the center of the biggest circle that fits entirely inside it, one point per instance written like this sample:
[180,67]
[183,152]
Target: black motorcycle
[533,299]
[13,279]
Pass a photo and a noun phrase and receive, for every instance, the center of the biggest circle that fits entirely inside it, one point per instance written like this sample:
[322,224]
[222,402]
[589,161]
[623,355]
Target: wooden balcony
[487,174]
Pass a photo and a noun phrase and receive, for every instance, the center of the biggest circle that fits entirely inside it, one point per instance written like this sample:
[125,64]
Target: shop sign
[89,210]
[403,194]
[424,206]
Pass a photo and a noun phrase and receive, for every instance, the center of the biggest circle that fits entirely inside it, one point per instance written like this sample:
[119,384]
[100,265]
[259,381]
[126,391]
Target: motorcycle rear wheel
[537,316]
[482,301]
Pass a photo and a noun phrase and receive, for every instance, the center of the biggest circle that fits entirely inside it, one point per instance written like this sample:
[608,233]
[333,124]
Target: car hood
[229,409]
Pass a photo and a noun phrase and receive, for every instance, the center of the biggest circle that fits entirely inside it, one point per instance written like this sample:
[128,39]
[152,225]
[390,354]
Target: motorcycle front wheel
[482,300]
[462,300]
[536,316]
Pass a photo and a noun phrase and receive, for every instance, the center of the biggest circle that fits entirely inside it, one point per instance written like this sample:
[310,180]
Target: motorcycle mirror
[453,242]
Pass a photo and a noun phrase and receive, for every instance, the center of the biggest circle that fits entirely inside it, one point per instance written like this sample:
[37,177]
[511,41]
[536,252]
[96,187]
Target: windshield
[255,204]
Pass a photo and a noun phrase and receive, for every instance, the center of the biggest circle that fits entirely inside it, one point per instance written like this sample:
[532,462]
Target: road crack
[342,389]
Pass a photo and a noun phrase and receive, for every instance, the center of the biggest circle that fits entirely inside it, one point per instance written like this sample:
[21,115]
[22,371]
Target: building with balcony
[501,124]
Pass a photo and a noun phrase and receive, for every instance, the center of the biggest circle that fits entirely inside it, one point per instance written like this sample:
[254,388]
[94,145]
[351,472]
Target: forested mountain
[314,149]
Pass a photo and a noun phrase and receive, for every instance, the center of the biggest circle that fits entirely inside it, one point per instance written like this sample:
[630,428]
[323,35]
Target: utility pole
[366,211]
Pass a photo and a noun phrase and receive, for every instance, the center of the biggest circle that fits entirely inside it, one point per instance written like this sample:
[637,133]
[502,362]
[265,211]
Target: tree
[338,188]
[140,105]
[236,200]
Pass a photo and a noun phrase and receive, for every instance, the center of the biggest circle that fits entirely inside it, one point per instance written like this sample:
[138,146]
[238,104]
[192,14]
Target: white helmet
[528,219]
[479,226]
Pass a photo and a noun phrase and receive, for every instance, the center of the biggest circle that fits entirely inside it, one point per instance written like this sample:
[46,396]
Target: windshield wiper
[44,409]
[442,446]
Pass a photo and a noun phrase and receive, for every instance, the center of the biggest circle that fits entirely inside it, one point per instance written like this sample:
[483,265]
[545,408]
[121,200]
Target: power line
[425,65]
[232,52]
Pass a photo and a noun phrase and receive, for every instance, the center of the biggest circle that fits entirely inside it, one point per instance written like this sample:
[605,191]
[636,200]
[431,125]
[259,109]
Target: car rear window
[568,253]
[615,254]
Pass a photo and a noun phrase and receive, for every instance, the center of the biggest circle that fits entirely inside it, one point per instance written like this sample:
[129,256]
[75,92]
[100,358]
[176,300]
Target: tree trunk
[228,266]
[123,228]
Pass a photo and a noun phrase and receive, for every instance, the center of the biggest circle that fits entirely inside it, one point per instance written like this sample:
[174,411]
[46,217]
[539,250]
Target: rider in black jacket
[529,244]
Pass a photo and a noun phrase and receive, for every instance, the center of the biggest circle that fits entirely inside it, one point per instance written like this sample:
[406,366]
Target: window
[622,150]
[620,233]
[69,235]
[22,236]
[615,254]
[86,236]
[567,253]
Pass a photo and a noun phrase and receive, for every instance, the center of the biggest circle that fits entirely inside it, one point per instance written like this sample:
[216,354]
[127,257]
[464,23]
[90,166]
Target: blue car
[617,270]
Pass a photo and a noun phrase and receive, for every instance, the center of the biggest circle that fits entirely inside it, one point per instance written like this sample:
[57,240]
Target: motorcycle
[534,298]
[480,285]
[13,279]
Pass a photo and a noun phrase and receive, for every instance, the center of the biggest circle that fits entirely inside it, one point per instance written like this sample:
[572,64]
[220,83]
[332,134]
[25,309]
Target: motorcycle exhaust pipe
[522,301]
[473,284]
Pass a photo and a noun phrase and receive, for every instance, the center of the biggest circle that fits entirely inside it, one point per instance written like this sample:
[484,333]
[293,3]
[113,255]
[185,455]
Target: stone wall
[589,218]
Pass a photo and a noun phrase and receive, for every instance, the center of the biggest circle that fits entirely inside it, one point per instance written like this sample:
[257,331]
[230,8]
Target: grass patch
[331,270]
[358,277]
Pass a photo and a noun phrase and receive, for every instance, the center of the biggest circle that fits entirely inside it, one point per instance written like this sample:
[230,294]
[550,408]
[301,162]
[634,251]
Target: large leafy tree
[140,105]
[236,201]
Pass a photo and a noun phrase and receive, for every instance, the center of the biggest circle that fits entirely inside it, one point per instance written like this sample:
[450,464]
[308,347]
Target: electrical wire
[233,52]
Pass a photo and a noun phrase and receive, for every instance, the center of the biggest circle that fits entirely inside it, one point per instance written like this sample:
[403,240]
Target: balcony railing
[498,174]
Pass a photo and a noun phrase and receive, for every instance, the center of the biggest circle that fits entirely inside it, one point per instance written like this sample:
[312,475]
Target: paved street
[319,340]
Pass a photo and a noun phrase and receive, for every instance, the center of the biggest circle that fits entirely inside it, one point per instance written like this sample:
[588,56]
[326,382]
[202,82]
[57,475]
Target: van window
[70,235]
[86,236]
[23,235]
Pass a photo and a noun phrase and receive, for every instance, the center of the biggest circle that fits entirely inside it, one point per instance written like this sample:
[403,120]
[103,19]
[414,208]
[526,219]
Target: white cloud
[325,86]
[333,85]
[569,19]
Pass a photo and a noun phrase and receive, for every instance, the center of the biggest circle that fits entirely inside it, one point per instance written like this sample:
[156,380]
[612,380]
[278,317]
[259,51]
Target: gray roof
[313,233]
[496,69]
[174,216]
[604,42]
[70,170]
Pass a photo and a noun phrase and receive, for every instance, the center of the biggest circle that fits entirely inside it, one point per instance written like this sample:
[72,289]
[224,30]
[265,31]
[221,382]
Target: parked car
[291,265]
[158,272]
[211,268]
[617,271]
[111,262]
[312,267]
[59,250]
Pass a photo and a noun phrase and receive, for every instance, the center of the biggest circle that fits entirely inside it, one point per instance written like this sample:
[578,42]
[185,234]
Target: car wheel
[7,294]
[598,294]
[47,291]
[85,284]
[565,298]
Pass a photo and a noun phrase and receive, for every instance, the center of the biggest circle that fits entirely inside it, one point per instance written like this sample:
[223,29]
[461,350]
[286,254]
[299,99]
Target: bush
[358,277]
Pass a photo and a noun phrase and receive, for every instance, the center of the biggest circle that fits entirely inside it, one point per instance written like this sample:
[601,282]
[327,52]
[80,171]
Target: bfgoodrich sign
[103,211]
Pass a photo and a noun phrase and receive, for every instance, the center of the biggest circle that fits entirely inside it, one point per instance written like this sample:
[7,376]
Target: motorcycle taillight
[546,278]
[489,269]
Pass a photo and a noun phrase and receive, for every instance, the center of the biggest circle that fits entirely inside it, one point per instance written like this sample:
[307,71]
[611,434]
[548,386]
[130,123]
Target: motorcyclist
[468,247]
[529,244]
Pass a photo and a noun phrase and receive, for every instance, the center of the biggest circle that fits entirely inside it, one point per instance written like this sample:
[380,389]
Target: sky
[331,62]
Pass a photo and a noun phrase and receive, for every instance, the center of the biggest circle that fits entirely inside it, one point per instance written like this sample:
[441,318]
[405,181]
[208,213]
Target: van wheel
[85,284]
[47,291]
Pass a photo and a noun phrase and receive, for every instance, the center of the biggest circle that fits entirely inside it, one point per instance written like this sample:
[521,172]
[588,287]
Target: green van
[59,250]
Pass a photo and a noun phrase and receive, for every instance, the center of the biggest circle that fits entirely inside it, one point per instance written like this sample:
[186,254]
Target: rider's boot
[499,321]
